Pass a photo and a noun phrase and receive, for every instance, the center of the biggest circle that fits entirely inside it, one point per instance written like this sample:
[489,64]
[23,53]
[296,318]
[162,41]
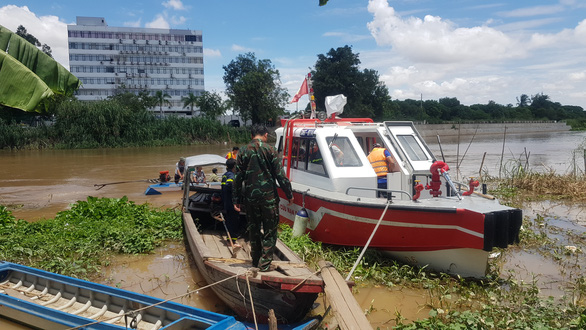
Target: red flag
[302,91]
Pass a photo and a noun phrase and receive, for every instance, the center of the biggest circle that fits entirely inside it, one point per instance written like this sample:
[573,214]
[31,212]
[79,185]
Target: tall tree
[22,32]
[162,99]
[523,100]
[337,72]
[189,101]
[211,105]
[254,88]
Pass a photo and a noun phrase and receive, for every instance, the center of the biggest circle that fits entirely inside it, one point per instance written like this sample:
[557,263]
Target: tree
[338,73]
[161,99]
[523,100]
[22,32]
[211,105]
[254,88]
[189,101]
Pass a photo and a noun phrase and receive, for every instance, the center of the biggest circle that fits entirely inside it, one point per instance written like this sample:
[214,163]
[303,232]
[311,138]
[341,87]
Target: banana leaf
[20,88]
[58,79]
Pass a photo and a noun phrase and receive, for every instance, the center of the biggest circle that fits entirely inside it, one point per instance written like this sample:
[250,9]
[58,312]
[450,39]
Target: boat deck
[220,254]
[75,304]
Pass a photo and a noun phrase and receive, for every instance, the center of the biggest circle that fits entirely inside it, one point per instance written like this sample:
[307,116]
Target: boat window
[315,162]
[298,154]
[343,152]
[411,147]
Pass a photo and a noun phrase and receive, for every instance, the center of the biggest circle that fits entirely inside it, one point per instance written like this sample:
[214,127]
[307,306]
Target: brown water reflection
[39,183]
[167,273]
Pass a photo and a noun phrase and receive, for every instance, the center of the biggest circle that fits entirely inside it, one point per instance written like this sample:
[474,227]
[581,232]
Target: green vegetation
[338,73]
[115,123]
[80,240]
[254,88]
[210,105]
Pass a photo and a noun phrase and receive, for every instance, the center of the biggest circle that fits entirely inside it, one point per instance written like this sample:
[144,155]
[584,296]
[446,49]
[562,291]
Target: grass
[77,242]
[111,124]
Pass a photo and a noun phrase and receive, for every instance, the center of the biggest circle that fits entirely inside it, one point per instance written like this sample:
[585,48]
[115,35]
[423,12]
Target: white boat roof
[204,160]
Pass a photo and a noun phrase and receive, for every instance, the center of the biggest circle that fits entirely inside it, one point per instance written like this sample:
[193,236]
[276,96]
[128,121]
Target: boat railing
[388,191]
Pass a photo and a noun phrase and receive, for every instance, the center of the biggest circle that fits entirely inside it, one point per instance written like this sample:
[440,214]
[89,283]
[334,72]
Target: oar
[102,185]
[235,248]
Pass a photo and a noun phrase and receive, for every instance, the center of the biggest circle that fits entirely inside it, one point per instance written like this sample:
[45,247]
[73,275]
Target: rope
[162,302]
[305,279]
[251,303]
[368,242]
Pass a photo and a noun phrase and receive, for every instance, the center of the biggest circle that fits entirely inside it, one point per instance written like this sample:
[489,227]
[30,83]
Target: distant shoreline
[428,130]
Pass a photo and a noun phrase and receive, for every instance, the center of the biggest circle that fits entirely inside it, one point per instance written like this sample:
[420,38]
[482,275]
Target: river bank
[464,129]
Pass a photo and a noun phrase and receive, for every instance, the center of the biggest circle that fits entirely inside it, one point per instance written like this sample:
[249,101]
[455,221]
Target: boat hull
[51,301]
[434,233]
[157,189]
[290,299]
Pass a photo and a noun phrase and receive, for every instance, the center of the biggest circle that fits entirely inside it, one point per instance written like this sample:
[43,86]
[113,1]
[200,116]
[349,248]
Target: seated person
[199,176]
[382,162]
[214,177]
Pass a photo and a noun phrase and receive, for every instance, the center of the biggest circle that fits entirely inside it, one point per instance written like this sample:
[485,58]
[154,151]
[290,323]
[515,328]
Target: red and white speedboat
[426,223]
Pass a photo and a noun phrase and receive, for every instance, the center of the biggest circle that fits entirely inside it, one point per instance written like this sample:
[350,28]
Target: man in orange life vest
[382,162]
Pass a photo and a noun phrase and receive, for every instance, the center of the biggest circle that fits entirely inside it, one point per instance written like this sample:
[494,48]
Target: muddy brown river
[36,184]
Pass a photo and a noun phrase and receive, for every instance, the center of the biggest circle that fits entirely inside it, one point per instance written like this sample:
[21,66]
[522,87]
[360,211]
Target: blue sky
[474,50]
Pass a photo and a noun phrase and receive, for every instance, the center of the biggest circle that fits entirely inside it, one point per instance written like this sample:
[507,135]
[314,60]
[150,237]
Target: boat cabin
[332,155]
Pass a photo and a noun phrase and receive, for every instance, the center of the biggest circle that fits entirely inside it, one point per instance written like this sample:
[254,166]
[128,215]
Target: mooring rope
[368,242]
[130,313]
[305,279]
[251,303]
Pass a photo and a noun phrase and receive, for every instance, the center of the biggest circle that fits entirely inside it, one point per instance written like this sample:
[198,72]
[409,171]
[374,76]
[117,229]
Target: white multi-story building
[107,58]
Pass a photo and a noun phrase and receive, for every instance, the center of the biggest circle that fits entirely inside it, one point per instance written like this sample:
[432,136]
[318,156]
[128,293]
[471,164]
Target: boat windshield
[343,152]
[411,147]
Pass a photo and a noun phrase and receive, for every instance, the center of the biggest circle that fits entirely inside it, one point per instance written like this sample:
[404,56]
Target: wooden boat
[429,221]
[289,291]
[47,300]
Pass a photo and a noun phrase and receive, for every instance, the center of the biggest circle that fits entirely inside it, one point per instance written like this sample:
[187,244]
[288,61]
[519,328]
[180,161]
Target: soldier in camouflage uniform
[258,169]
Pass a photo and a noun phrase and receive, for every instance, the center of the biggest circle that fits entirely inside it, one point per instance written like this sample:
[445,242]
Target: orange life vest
[230,155]
[378,161]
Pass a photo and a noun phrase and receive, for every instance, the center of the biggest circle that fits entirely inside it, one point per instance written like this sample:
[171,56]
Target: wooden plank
[345,308]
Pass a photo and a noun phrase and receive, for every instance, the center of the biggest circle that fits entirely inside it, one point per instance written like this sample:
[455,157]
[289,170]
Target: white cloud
[47,29]
[160,22]
[207,52]
[238,48]
[132,23]
[434,57]
[434,40]
[174,4]
[347,37]
[178,20]
[533,11]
